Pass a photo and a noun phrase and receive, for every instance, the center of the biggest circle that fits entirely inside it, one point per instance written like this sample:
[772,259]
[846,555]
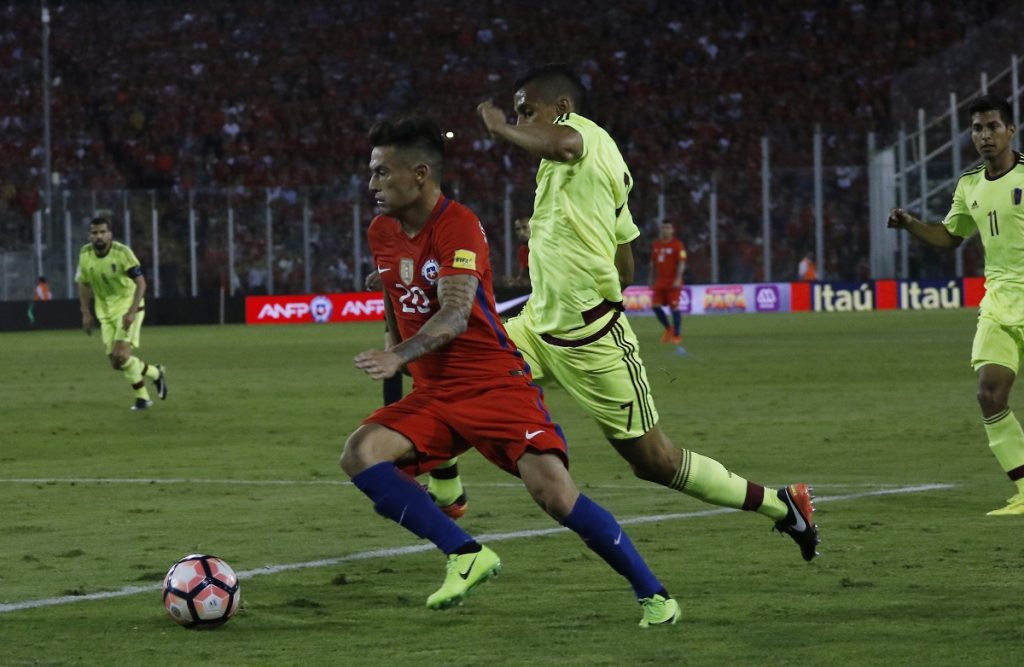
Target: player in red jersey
[668,261]
[470,383]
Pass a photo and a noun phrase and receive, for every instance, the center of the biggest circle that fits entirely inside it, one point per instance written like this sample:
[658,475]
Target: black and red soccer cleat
[799,522]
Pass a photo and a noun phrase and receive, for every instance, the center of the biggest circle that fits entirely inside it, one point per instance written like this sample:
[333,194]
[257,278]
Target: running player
[110,275]
[471,387]
[989,200]
[572,331]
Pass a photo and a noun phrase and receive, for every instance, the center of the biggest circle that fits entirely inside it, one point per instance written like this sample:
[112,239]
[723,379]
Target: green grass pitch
[241,461]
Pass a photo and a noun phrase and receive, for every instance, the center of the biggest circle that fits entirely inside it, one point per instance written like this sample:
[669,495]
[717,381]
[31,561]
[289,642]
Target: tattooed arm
[455,296]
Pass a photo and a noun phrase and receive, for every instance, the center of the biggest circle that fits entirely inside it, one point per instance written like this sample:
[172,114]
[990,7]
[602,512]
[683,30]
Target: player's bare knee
[650,456]
[118,361]
[368,446]
[549,484]
[352,459]
[555,501]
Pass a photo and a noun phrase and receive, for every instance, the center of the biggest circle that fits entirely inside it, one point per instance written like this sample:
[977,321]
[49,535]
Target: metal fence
[752,223]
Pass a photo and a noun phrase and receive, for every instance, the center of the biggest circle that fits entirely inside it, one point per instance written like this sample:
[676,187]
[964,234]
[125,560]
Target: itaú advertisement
[307,308]
[818,297]
[711,299]
[842,297]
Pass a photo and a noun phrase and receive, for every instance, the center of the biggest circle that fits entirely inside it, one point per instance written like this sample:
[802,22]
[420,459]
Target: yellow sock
[132,370]
[151,372]
[708,480]
[1006,440]
[444,482]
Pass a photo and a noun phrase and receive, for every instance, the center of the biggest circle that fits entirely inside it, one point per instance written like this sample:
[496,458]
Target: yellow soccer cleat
[659,610]
[1014,507]
[464,573]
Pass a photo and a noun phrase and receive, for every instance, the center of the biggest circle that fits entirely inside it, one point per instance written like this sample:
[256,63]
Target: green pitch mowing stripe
[419,548]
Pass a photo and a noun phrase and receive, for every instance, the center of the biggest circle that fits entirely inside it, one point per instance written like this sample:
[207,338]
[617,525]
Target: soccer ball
[201,592]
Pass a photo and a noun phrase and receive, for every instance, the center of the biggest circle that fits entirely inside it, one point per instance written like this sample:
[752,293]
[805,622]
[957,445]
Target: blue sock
[677,319]
[659,312]
[404,502]
[603,534]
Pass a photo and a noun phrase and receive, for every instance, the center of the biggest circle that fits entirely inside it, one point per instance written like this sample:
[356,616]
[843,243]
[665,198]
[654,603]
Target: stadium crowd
[243,96]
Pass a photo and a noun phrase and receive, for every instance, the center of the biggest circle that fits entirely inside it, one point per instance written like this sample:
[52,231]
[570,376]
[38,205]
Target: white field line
[417,548]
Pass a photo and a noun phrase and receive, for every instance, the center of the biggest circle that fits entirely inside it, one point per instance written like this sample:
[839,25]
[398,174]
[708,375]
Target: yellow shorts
[600,367]
[112,330]
[996,343]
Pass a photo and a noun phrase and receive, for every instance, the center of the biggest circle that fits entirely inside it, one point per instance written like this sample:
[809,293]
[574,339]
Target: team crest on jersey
[406,270]
[1017,194]
[430,270]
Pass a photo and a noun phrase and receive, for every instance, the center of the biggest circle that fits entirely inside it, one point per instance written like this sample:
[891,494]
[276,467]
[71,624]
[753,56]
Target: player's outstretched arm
[544,140]
[934,234]
[455,297]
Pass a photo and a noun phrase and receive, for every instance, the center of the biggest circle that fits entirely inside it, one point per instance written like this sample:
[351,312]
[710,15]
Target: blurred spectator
[42,291]
[808,270]
[274,95]
[256,280]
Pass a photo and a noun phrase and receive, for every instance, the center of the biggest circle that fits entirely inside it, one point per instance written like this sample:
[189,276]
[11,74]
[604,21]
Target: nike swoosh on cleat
[801,525]
[465,575]
[530,435]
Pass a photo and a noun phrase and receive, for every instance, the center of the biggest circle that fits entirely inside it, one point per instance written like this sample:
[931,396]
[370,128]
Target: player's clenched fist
[899,219]
[492,116]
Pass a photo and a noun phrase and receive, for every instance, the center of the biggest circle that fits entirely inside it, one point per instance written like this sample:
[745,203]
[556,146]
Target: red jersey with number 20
[665,258]
[452,242]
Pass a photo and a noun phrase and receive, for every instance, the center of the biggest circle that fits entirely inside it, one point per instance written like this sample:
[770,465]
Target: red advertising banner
[307,308]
